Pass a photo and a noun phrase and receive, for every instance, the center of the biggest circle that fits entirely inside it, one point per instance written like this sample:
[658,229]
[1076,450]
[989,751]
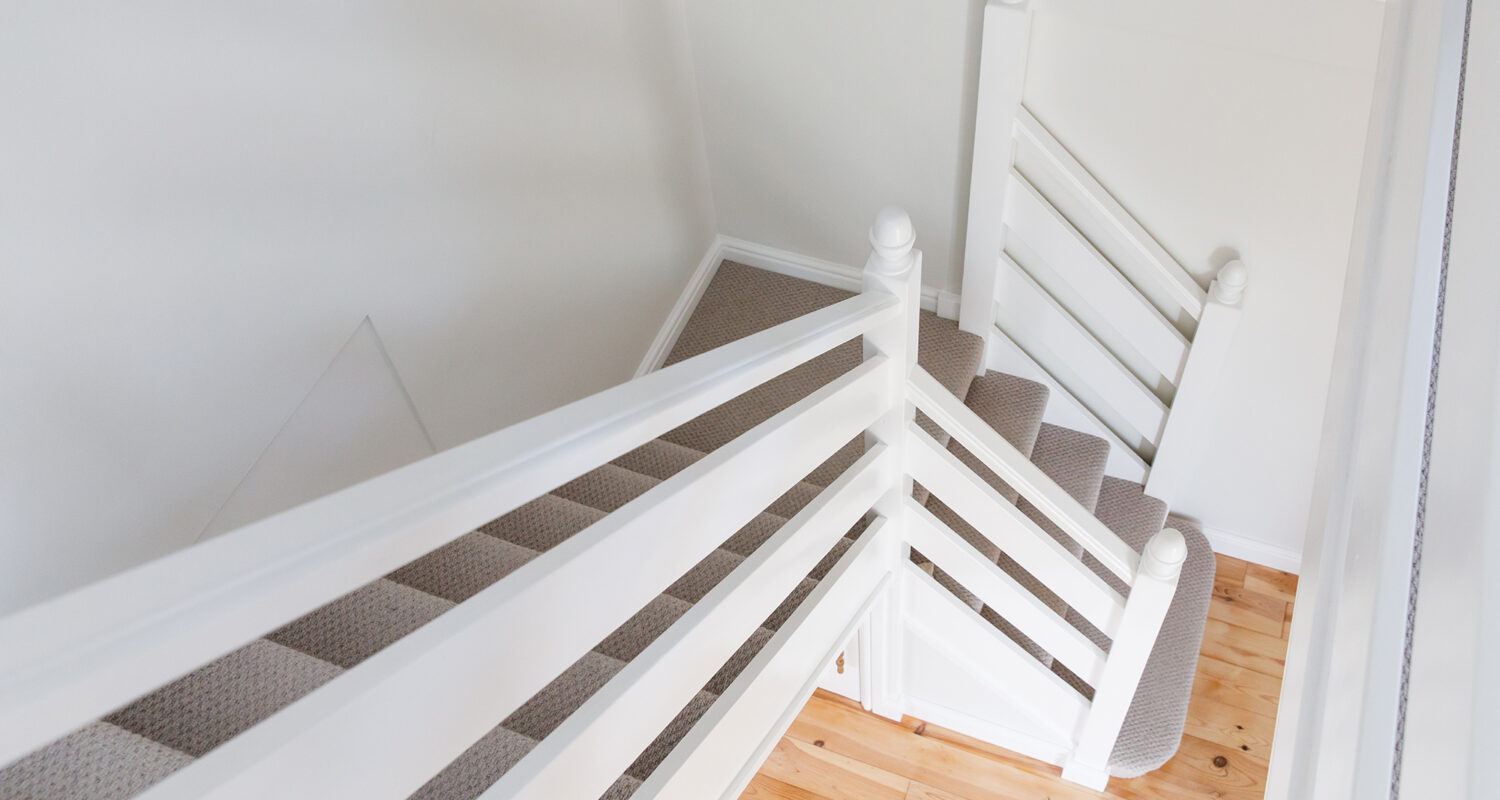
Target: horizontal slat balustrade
[723,751]
[985,444]
[1013,532]
[1119,315]
[66,662]
[598,742]
[991,656]
[1001,592]
[484,658]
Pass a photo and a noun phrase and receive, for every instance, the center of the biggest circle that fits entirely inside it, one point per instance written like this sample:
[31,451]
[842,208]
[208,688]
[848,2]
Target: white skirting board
[1244,548]
[782,262]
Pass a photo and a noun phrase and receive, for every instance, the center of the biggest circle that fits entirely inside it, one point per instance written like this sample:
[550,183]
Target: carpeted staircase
[149,739]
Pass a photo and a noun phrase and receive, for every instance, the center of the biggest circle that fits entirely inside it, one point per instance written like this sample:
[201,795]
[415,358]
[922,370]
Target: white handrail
[599,740]
[482,659]
[976,436]
[68,661]
[1013,532]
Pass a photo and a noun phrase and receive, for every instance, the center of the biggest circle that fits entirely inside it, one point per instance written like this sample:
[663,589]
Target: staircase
[648,624]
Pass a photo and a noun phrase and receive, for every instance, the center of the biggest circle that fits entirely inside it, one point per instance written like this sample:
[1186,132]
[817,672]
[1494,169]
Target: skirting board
[782,262]
[1246,549]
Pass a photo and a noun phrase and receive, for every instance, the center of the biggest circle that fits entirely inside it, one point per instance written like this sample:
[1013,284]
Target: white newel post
[894,268]
[1002,76]
[1150,596]
[1190,420]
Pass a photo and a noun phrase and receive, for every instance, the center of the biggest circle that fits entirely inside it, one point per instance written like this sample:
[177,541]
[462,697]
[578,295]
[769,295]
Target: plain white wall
[1228,127]
[1231,128]
[818,114]
[202,201]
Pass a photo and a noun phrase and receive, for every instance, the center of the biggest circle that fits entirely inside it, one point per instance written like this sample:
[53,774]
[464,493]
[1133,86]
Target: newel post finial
[1229,285]
[1164,555]
[893,237]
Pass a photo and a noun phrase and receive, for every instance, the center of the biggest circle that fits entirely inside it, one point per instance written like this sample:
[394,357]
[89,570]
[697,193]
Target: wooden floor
[835,750]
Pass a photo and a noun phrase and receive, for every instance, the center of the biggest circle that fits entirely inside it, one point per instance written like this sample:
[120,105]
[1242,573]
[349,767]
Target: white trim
[666,338]
[1244,548]
[817,270]
[1336,721]
[782,262]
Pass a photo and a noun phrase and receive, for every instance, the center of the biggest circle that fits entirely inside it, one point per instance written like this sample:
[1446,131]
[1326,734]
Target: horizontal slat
[1001,592]
[985,444]
[1113,309]
[722,752]
[1152,262]
[68,661]
[1013,532]
[991,656]
[601,739]
[1049,334]
[1065,410]
[472,666]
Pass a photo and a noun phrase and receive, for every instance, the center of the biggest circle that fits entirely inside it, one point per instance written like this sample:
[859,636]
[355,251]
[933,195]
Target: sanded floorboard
[836,750]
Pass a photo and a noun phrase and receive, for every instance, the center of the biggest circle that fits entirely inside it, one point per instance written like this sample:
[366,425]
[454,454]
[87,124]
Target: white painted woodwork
[724,750]
[386,726]
[1145,609]
[76,658]
[1188,439]
[894,268]
[1063,409]
[1051,336]
[484,658]
[1008,463]
[1001,592]
[1150,269]
[1450,736]
[1071,270]
[984,650]
[1013,532]
[596,744]
[1002,76]
[1336,720]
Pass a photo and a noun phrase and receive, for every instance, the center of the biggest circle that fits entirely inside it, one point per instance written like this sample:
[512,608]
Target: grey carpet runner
[149,739]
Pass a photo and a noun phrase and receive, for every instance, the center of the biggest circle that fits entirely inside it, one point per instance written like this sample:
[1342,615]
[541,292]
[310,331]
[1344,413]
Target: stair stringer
[1002,690]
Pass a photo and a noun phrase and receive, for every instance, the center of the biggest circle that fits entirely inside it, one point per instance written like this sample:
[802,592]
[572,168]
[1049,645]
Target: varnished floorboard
[834,750]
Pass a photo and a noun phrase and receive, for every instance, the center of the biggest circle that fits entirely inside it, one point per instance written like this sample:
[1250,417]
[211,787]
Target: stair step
[98,762]
[487,761]
[543,523]
[207,707]
[464,567]
[361,623]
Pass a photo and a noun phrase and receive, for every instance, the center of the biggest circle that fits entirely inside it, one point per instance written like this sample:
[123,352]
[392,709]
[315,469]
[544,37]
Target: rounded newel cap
[892,235]
[1164,554]
[1230,284]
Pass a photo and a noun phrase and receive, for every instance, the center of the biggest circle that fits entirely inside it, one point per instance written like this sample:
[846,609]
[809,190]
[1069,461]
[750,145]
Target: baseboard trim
[1244,548]
[677,318]
[828,273]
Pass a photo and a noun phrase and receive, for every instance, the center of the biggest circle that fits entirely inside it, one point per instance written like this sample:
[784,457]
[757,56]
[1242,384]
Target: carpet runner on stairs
[149,739]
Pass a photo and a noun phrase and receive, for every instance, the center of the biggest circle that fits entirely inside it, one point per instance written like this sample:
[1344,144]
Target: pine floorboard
[836,750]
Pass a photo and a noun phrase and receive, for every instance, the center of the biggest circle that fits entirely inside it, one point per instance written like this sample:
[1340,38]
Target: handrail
[960,422]
[575,761]
[68,661]
[482,659]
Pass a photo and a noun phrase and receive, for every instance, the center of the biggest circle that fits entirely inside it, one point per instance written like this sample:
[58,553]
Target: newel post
[1190,421]
[1146,607]
[895,269]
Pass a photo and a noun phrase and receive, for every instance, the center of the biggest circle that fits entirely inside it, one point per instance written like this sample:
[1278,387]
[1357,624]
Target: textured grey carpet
[162,732]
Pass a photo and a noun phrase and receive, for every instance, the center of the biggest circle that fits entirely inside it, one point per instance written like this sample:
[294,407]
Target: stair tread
[212,704]
[464,567]
[361,623]
[100,761]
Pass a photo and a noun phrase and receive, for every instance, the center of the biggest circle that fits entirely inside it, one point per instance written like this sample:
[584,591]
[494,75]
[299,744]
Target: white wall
[202,201]
[1231,128]
[818,114]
